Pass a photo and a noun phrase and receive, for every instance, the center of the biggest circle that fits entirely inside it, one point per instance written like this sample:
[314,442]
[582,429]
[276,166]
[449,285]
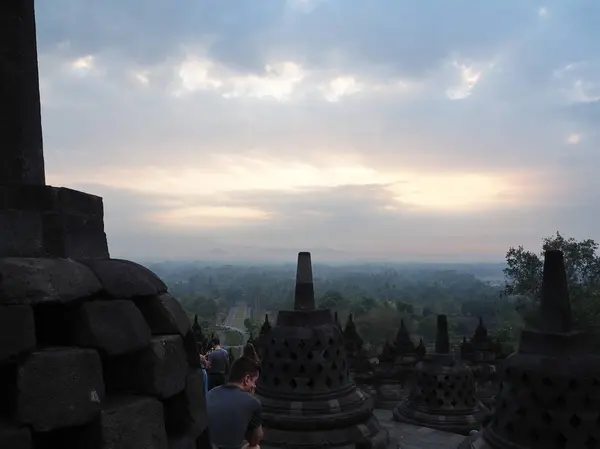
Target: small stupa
[308,397]
[442,394]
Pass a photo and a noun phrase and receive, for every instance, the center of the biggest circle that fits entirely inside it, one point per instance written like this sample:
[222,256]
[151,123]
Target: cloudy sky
[438,130]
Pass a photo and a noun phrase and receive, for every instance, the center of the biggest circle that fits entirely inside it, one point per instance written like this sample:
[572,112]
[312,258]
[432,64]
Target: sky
[358,130]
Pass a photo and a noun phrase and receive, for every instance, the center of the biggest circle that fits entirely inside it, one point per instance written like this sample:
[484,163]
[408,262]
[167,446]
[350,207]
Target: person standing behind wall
[218,364]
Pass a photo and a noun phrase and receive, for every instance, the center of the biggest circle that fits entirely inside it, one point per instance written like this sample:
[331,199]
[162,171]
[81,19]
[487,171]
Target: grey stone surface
[33,281]
[59,387]
[413,437]
[133,422]
[17,331]
[21,234]
[164,315]
[159,370]
[113,327]
[123,279]
[185,413]
[14,437]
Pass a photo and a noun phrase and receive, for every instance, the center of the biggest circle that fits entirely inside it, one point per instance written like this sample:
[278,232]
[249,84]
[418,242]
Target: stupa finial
[555,306]
[442,342]
[304,297]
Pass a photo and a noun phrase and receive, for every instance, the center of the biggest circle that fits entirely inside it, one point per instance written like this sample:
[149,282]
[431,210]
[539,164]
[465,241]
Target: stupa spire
[304,296]
[555,306]
[442,342]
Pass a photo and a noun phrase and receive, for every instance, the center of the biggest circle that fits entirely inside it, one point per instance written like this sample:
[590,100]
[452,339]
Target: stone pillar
[94,352]
[21,125]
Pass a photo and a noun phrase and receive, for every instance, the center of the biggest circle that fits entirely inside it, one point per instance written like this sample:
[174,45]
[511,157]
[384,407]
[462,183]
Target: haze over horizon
[356,130]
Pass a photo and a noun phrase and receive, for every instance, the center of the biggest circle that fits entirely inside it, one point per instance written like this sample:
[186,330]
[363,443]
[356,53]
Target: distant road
[241,309]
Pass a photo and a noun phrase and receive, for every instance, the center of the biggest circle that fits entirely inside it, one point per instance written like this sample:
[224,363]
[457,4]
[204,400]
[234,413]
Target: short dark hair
[241,368]
[216,341]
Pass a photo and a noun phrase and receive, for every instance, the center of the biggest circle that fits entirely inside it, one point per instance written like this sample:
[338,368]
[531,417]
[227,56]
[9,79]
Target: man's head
[244,373]
[216,341]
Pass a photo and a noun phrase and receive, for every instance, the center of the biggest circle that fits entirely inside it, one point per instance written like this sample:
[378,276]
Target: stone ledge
[123,279]
[33,281]
[46,198]
[44,221]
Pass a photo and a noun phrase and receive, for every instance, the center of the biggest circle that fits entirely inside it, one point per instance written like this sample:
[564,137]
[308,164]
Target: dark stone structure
[202,341]
[550,396]
[358,360]
[308,397]
[94,352]
[263,336]
[442,395]
[395,371]
[336,319]
[479,353]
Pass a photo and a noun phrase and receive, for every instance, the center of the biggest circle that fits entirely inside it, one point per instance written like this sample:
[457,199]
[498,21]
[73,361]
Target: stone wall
[95,354]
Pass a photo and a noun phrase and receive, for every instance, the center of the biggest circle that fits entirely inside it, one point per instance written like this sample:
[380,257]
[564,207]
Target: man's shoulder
[256,402]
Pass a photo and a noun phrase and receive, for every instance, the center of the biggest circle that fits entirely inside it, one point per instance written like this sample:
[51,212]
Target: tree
[251,326]
[332,300]
[524,278]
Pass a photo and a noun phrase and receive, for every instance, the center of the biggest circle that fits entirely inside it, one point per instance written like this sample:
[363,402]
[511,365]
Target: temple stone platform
[407,436]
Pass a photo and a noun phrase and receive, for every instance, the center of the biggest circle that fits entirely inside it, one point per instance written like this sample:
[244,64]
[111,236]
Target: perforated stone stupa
[480,355]
[308,397]
[94,352]
[550,396]
[442,394]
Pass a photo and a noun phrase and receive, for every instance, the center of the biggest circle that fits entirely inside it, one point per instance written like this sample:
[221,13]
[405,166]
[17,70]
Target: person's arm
[255,431]
[226,361]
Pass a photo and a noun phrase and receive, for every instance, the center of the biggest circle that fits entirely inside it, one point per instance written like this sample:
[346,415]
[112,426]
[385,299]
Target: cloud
[573,139]
[342,123]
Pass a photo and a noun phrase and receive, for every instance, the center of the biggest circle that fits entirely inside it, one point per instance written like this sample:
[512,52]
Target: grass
[238,320]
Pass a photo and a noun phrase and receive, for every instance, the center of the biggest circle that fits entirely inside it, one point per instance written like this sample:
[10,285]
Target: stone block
[123,279]
[17,331]
[33,281]
[112,327]
[185,413]
[160,369]
[14,437]
[59,387]
[132,422]
[164,315]
[77,236]
[21,234]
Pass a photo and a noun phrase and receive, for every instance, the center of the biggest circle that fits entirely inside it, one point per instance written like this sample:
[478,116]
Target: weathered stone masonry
[87,355]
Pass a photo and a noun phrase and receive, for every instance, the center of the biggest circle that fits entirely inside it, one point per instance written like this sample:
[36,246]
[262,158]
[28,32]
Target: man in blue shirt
[234,414]
[218,364]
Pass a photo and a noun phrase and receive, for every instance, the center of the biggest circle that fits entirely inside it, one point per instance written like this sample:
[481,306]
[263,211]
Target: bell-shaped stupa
[550,396]
[442,394]
[308,397]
